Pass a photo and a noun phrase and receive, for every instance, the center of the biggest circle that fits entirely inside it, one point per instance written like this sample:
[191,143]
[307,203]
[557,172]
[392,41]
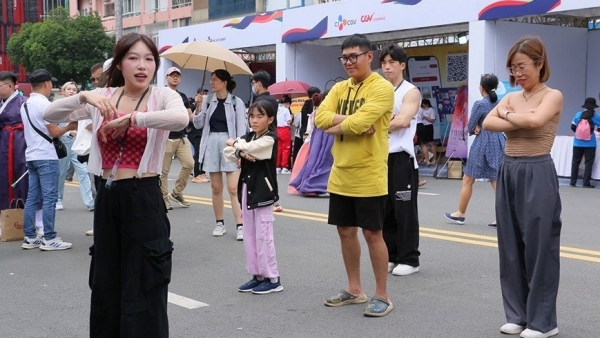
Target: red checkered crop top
[135,144]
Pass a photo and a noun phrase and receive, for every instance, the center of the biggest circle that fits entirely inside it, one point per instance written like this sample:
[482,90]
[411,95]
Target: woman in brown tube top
[528,204]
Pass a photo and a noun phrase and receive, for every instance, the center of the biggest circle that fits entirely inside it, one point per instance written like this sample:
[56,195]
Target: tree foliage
[65,46]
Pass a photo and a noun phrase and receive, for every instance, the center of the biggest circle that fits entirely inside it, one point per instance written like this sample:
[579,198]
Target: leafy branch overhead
[66,46]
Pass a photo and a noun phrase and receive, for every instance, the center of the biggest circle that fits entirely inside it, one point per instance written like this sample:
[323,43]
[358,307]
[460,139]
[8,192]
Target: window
[181,3]
[153,6]
[109,9]
[131,8]
[218,9]
[52,4]
[181,22]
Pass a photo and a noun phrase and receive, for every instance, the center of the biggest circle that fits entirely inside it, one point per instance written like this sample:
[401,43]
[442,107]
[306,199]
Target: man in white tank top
[401,222]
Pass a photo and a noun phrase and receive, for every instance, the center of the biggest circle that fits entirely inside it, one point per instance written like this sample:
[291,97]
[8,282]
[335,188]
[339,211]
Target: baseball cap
[173,70]
[107,64]
[41,75]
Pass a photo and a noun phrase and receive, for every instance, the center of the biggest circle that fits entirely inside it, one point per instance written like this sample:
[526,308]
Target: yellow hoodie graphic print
[359,160]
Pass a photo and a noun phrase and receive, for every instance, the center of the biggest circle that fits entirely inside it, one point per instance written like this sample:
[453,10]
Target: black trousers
[195,141]
[298,142]
[590,156]
[528,211]
[401,216]
[131,261]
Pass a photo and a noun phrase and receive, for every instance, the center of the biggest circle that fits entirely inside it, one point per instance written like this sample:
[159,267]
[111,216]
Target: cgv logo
[367,17]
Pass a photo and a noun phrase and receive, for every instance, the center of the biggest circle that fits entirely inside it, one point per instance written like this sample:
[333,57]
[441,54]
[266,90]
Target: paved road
[456,294]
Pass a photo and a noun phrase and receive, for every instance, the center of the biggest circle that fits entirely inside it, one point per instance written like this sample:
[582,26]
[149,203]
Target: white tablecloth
[562,154]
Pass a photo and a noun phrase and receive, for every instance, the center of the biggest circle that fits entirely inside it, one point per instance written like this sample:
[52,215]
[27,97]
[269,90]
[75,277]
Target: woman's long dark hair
[587,114]
[114,75]
[489,83]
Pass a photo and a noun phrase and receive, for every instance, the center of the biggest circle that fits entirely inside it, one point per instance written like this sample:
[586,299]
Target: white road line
[428,193]
[184,301]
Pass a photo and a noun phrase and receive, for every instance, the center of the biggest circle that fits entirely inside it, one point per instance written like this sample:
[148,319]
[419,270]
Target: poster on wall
[437,70]
[297,104]
[445,98]
[457,140]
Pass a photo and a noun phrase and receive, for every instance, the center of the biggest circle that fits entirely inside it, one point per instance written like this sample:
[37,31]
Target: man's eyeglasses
[519,69]
[353,58]
[175,75]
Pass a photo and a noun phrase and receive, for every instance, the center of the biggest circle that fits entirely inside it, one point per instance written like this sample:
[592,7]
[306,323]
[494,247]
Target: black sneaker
[248,286]
[179,199]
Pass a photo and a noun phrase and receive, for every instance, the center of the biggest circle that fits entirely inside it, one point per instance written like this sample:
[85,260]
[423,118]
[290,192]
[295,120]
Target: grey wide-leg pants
[528,211]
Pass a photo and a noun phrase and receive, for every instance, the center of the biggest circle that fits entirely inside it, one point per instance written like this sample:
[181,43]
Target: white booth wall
[316,65]
[593,70]
[567,53]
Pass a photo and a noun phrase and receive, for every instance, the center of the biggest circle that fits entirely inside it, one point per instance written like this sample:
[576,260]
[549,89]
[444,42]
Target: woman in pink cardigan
[131,255]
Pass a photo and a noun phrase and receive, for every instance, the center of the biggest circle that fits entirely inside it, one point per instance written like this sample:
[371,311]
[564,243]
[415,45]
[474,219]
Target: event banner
[457,141]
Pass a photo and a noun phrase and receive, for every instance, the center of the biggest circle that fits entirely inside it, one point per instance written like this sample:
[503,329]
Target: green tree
[65,46]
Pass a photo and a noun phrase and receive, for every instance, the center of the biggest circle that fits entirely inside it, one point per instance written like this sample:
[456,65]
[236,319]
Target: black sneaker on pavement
[179,199]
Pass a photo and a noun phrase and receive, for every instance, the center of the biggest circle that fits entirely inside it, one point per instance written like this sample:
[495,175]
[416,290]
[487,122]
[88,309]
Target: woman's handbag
[83,140]
[61,150]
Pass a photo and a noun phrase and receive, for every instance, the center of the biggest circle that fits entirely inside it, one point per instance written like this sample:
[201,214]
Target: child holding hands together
[256,153]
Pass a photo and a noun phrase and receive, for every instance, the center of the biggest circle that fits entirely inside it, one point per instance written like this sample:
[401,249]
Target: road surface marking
[184,301]
[446,235]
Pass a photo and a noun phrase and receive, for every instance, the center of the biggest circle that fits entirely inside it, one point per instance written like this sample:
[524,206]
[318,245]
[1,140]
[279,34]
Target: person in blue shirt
[585,148]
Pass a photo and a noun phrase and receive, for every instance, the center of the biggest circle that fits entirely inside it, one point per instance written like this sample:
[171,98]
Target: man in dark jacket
[307,109]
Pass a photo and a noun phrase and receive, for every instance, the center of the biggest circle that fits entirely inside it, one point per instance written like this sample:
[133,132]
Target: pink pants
[259,242]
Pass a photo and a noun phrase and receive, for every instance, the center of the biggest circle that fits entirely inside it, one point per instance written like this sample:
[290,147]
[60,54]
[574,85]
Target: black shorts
[424,133]
[363,212]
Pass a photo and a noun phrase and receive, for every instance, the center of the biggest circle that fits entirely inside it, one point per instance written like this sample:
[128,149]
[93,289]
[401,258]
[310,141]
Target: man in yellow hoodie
[358,112]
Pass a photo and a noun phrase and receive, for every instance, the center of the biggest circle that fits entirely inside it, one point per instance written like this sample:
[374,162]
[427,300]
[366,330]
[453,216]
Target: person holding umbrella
[222,117]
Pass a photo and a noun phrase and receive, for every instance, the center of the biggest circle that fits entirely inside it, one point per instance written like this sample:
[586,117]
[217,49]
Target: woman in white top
[425,119]
[85,185]
[131,255]
[222,117]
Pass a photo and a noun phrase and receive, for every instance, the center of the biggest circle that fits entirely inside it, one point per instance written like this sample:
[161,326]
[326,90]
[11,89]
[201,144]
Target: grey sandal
[345,298]
[378,307]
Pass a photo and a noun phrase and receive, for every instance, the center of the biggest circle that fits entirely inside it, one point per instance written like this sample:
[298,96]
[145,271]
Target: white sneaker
[219,230]
[285,171]
[55,244]
[89,232]
[404,270]
[511,328]
[240,234]
[31,243]
[529,333]
[59,206]
[278,170]
[391,266]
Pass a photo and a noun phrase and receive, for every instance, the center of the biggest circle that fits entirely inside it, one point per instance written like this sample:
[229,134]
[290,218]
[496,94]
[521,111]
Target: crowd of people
[363,127]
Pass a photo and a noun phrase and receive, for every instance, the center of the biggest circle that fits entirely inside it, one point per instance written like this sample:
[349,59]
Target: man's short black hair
[5,75]
[396,52]
[263,77]
[312,91]
[357,40]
